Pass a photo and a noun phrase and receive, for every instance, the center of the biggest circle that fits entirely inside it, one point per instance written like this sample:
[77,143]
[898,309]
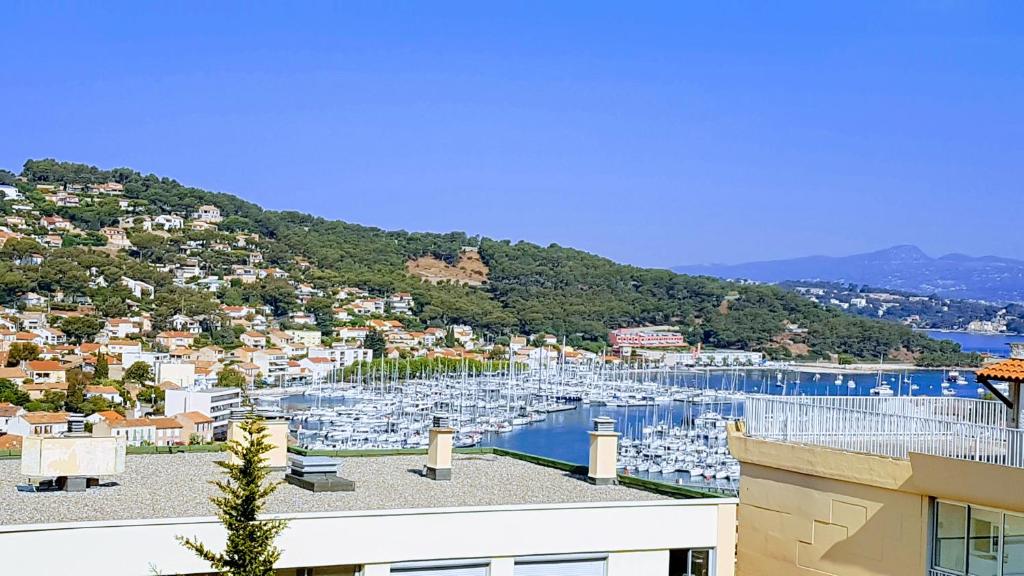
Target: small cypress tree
[250,549]
[102,371]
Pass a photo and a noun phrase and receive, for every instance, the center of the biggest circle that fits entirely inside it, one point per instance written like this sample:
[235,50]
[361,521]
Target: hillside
[907,268]
[528,289]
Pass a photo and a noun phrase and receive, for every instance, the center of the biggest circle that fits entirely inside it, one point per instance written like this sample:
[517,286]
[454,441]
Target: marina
[673,422]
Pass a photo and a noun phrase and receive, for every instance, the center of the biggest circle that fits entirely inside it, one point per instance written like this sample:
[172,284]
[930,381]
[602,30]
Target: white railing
[891,427]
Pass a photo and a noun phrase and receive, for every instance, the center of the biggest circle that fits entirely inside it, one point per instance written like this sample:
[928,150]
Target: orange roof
[164,423]
[100,390]
[131,423]
[45,417]
[8,410]
[195,417]
[110,415]
[10,442]
[45,366]
[1006,371]
[175,334]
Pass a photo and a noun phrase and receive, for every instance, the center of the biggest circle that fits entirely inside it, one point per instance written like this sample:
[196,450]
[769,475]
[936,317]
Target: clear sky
[652,133]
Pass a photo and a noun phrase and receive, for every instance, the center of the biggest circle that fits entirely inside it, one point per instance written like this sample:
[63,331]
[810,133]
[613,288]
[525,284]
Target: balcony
[957,428]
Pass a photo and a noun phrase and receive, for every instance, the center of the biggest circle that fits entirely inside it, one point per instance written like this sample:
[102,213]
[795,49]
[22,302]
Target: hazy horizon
[676,135]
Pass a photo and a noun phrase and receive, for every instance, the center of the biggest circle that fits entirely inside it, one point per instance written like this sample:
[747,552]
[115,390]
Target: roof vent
[604,424]
[442,421]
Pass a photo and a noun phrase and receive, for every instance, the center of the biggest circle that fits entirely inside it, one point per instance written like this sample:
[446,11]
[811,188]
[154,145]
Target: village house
[168,431]
[110,188]
[15,374]
[254,339]
[121,347]
[183,323]
[8,412]
[38,424]
[174,339]
[51,336]
[33,300]
[367,306]
[351,333]
[108,393]
[56,223]
[135,431]
[244,274]
[46,371]
[169,222]
[207,213]
[195,425]
[209,354]
[401,303]
[121,327]
[138,288]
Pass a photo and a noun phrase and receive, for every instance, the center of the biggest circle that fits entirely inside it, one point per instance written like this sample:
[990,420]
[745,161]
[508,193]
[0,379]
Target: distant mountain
[908,268]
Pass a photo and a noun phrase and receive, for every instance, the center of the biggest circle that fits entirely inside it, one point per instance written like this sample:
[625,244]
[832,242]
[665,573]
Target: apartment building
[215,403]
[866,486]
[500,514]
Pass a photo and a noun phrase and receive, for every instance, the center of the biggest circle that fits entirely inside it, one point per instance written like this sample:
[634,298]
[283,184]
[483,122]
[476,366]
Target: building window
[690,562]
[974,541]
[564,566]
[950,536]
[454,568]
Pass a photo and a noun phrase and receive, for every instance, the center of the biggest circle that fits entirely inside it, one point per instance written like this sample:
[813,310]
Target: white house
[138,288]
[8,412]
[38,424]
[169,222]
[11,192]
[207,213]
[108,393]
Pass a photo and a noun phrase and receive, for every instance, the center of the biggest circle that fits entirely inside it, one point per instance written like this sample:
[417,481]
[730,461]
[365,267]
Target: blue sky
[652,133]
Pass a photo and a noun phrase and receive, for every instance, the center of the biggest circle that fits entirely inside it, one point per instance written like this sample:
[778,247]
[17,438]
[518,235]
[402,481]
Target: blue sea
[997,344]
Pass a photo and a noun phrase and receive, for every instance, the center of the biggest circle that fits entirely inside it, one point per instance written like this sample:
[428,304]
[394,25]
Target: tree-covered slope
[530,288]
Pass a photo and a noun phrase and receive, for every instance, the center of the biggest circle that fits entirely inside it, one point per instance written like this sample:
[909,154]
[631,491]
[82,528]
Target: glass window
[983,555]
[1013,545]
[950,534]
[685,562]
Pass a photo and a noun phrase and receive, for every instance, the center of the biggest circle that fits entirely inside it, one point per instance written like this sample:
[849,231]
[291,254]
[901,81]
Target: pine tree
[102,371]
[449,338]
[375,341]
[250,549]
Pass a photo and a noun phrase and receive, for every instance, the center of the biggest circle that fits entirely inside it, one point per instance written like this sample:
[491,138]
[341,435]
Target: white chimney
[439,453]
[604,452]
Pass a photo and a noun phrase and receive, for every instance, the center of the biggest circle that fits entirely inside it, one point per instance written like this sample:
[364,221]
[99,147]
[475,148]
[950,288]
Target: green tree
[77,382]
[139,373]
[449,338]
[230,378]
[22,352]
[9,392]
[102,371]
[81,328]
[250,549]
[375,341]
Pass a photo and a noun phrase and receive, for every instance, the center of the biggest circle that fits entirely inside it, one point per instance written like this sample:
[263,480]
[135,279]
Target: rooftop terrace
[958,428]
[178,486]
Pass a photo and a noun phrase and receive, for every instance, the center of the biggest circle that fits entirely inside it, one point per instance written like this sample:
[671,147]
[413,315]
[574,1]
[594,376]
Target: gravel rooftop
[177,485]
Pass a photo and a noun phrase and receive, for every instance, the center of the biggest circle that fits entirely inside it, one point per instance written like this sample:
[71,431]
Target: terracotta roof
[100,390]
[45,366]
[10,442]
[45,417]
[168,385]
[110,415]
[12,373]
[8,410]
[1006,371]
[165,423]
[195,417]
[131,423]
[175,334]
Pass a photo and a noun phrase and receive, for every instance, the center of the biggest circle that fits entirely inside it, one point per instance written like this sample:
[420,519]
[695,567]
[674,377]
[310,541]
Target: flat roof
[178,486]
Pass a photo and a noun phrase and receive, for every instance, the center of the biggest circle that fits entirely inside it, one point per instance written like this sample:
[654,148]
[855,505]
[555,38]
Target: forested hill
[529,288]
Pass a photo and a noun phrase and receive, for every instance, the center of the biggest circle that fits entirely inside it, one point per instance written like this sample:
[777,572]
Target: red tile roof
[1006,371]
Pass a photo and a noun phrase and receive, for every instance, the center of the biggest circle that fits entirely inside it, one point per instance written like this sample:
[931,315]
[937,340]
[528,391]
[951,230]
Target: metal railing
[892,427]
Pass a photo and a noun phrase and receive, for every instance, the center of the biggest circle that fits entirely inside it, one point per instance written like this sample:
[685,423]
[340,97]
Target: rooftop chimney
[439,454]
[604,452]
[1017,350]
